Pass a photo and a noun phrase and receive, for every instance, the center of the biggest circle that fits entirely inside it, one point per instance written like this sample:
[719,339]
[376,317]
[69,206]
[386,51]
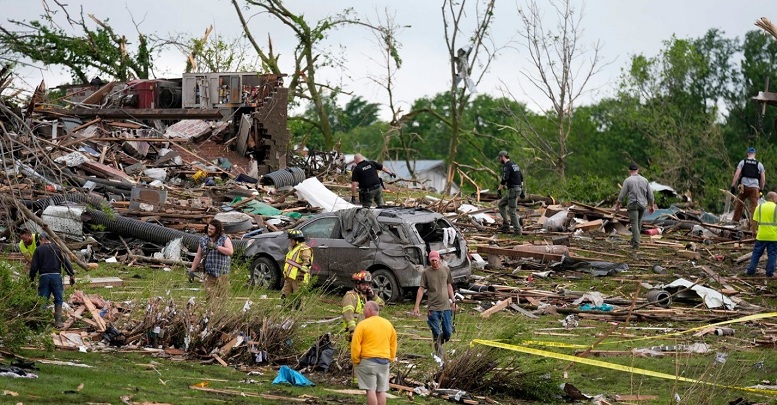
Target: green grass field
[132,376]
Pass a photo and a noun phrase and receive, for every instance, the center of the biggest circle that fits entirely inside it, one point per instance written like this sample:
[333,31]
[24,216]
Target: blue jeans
[51,283]
[758,251]
[434,318]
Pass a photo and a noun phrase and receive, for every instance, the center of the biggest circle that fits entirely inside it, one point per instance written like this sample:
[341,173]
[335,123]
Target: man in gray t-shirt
[436,280]
[639,197]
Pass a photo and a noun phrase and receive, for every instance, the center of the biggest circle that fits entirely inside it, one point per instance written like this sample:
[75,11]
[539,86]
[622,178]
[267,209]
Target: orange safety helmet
[363,276]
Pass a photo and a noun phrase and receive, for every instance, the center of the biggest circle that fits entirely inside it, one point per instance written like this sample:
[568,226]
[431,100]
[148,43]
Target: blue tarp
[286,375]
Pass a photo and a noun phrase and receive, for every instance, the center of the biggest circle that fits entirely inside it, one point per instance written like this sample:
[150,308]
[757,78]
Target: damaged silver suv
[391,243]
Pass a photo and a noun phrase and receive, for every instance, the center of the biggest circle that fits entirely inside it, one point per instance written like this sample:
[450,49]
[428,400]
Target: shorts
[373,376]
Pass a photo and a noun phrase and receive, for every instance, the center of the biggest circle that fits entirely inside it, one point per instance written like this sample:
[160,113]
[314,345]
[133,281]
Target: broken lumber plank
[689,254]
[544,253]
[522,311]
[590,225]
[227,347]
[637,397]
[575,250]
[131,139]
[220,360]
[98,320]
[96,97]
[97,281]
[100,169]
[496,308]
[530,252]
[140,113]
[745,257]
[248,394]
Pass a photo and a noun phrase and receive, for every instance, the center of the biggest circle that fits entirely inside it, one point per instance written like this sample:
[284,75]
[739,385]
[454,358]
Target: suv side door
[339,258]
[318,234]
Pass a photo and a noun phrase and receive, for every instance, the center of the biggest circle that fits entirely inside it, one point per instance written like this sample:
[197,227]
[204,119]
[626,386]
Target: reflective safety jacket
[766,216]
[27,251]
[298,262]
[353,308]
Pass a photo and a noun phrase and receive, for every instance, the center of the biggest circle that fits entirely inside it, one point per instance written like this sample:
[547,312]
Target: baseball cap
[43,235]
[633,166]
[502,153]
[434,255]
[751,150]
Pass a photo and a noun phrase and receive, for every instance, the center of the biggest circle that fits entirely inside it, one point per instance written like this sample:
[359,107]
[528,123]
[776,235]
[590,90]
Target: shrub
[589,189]
[21,308]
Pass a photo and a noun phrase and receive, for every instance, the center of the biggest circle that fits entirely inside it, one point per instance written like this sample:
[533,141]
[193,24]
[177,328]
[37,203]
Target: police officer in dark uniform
[513,180]
[751,175]
[365,177]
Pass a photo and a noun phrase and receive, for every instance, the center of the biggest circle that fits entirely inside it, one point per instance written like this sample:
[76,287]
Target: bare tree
[217,53]
[390,61]
[465,52]
[560,71]
[307,59]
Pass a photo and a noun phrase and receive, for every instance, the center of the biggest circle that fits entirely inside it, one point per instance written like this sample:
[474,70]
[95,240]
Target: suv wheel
[265,273]
[386,285]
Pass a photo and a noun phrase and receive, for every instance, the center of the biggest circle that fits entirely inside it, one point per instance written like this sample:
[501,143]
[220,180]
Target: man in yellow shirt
[27,245]
[766,217]
[373,347]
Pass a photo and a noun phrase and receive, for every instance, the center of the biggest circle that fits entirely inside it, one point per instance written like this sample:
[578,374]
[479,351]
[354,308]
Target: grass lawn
[131,376]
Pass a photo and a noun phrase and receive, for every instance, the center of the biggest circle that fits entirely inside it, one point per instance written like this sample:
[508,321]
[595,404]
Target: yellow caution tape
[737,320]
[656,337]
[554,344]
[611,366]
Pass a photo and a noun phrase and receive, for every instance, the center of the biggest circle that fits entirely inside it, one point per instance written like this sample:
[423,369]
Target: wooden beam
[496,308]
[249,394]
[95,313]
[139,113]
[635,397]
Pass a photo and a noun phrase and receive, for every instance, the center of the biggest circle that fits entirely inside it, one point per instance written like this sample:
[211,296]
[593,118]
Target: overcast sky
[624,28]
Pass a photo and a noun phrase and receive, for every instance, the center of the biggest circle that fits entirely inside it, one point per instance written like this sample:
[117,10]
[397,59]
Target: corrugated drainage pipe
[74,197]
[288,177]
[126,226]
[661,298]
[147,231]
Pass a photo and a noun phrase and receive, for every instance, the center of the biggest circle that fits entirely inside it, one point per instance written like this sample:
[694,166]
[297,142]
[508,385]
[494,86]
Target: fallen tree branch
[32,217]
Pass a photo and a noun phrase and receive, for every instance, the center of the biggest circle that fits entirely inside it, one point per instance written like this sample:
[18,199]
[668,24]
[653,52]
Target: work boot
[518,231]
[504,228]
[58,316]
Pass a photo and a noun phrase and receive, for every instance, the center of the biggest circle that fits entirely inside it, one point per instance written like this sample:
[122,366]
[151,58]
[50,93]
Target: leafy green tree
[750,123]
[480,125]
[367,140]
[308,58]
[96,50]
[356,113]
[672,100]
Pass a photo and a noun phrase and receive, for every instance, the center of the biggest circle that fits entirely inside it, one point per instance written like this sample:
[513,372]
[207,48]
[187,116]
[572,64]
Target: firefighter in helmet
[354,300]
[296,268]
